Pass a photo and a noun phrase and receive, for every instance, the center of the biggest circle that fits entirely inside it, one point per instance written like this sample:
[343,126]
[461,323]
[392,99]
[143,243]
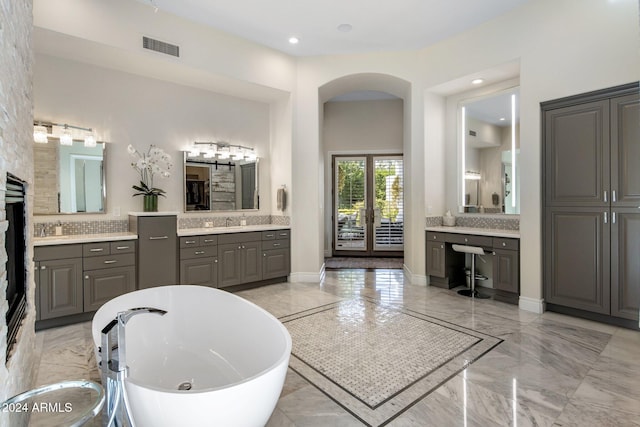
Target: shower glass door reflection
[368,205]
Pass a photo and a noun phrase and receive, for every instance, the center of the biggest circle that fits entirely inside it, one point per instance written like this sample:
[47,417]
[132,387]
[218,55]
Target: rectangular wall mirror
[489,135]
[212,185]
[69,179]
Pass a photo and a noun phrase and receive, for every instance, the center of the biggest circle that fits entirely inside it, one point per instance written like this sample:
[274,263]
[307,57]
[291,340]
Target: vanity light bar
[43,130]
[223,150]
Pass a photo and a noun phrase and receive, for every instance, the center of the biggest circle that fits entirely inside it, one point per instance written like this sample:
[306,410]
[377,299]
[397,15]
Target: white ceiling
[378,25]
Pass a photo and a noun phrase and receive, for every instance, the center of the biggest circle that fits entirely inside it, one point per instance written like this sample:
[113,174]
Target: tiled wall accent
[45,180]
[506,223]
[280,220]
[16,156]
[434,221]
[82,227]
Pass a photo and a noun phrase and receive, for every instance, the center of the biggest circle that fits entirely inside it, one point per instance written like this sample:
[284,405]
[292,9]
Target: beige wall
[129,109]
[16,157]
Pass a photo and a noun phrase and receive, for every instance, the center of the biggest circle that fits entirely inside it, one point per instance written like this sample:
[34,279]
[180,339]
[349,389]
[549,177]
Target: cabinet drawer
[275,244]
[275,234]
[43,253]
[210,240]
[200,252]
[505,243]
[108,261]
[239,237]
[123,247]
[470,240]
[189,242]
[436,237]
[96,249]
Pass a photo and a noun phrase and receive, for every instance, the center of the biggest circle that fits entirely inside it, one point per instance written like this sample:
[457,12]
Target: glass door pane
[350,203]
[388,212]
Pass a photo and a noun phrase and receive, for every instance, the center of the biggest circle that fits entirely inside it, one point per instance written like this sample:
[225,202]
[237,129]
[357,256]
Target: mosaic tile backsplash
[120,226]
[499,223]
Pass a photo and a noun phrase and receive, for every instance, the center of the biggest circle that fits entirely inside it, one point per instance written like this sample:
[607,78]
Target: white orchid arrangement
[154,162]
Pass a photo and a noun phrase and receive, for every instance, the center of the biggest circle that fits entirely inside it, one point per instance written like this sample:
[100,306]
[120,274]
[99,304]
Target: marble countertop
[82,238]
[153,214]
[493,232]
[235,229]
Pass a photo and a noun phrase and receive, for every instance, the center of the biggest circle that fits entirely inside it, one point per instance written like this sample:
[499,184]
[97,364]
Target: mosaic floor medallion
[377,360]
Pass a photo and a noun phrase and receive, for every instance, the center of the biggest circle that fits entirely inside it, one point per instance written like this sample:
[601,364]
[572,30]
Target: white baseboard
[531,304]
[415,279]
[305,277]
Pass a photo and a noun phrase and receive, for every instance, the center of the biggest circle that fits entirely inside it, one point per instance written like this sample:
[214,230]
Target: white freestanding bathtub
[231,353]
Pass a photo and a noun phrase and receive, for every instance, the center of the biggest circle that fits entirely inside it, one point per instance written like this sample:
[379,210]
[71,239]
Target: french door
[368,209]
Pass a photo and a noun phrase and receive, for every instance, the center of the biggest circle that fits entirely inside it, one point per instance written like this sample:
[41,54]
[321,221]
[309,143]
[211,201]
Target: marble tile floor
[550,370]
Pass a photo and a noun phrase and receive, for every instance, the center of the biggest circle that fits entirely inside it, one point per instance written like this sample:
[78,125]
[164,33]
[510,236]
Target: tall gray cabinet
[157,254]
[591,203]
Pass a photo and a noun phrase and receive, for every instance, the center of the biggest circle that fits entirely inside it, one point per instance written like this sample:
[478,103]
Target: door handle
[605,196]
[605,218]
[96,249]
[199,252]
[122,247]
[613,195]
[110,261]
[613,219]
[158,237]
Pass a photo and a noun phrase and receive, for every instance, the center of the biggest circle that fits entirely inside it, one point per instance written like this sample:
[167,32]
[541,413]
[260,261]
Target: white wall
[357,127]
[128,109]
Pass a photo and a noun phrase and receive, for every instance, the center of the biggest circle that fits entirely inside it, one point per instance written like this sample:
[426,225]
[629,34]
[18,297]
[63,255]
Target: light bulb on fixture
[90,140]
[293,40]
[65,137]
[40,134]
[224,153]
[251,156]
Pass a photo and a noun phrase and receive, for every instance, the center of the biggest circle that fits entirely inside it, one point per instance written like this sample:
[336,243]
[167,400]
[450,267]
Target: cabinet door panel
[506,270]
[101,286]
[275,263]
[199,272]
[229,264]
[577,259]
[625,268]
[435,259]
[60,288]
[625,150]
[577,154]
[251,262]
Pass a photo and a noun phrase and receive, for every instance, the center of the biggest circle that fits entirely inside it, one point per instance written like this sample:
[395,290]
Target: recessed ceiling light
[345,28]
[293,40]
[502,119]
[477,81]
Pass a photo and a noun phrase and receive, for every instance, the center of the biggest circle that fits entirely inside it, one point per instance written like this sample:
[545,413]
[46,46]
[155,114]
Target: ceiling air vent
[472,132]
[162,47]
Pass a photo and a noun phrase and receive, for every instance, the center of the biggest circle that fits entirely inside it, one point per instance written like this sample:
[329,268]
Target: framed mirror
[69,179]
[489,135]
[212,185]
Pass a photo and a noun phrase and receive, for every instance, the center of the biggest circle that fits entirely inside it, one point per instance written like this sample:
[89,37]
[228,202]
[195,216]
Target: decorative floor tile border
[377,360]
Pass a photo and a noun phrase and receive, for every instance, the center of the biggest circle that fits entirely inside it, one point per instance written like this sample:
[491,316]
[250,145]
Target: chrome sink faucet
[113,365]
[43,230]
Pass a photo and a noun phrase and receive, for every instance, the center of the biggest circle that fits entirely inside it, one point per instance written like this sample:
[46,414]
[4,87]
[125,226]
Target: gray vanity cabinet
[58,280]
[445,267]
[109,271]
[240,258]
[199,260]
[157,256]
[591,165]
[625,263]
[276,254]
[506,271]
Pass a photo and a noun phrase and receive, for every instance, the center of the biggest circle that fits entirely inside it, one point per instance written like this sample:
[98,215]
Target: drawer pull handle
[270,235]
[189,242]
[208,240]
[86,277]
[264,254]
[110,261]
[199,252]
[466,240]
[284,234]
[242,246]
[275,245]
[120,248]
[441,246]
[215,260]
[493,253]
[504,244]
[434,237]
[44,267]
[96,249]
[158,237]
